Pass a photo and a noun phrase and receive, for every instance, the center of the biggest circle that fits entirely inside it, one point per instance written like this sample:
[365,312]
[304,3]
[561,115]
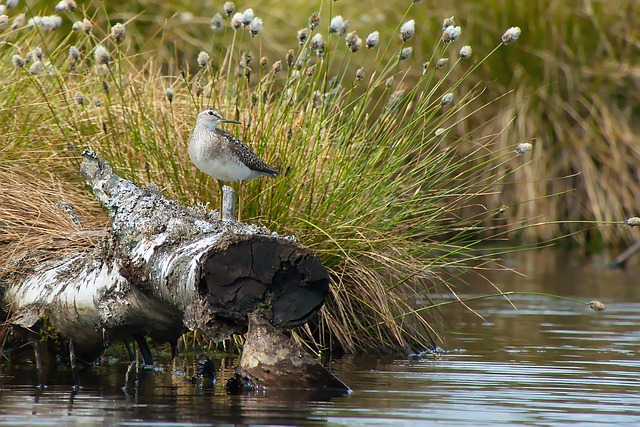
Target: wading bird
[222,155]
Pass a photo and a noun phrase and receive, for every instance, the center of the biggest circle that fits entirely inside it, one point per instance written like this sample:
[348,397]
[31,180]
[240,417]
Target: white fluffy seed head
[338,25]
[523,147]
[353,41]
[216,22]
[169,94]
[17,61]
[303,35]
[407,30]
[74,53]
[247,16]
[634,221]
[446,99]
[289,57]
[36,68]
[229,8]
[451,33]
[394,99]
[4,21]
[405,53]
[49,68]
[34,21]
[78,98]
[236,21]
[356,45]
[373,39]
[18,21]
[255,26]
[442,62]
[203,59]
[11,4]
[45,22]
[511,35]
[101,55]
[87,26]
[66,6]
[62,6]
[52,22]
[36,52]
[318,44]
[102,70]
[277,66]
[118,32]
[465,51]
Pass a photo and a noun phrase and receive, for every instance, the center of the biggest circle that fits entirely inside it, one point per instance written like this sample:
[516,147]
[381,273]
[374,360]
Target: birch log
[164,269]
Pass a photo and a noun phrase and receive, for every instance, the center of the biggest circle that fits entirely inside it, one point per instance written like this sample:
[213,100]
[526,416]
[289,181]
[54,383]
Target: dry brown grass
[44,216]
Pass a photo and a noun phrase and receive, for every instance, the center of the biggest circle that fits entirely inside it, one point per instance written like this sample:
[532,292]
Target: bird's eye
[210,113]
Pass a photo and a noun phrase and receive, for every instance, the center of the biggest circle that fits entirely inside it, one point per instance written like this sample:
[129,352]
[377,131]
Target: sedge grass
[390,205]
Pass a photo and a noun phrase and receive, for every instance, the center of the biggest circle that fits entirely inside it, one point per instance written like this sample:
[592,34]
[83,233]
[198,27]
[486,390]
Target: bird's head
[211,118]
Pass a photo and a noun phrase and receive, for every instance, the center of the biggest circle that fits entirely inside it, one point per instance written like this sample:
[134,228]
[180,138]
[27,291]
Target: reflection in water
[549,362]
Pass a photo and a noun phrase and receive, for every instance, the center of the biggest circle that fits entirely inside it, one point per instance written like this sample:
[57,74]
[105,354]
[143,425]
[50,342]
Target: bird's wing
[247,156]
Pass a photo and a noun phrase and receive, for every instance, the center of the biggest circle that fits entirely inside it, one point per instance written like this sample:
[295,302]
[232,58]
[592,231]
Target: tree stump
[270,358]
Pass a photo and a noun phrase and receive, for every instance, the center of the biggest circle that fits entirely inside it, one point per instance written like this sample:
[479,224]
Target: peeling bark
[163,269]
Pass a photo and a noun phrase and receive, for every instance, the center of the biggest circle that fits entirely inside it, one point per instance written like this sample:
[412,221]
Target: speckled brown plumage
[245,154]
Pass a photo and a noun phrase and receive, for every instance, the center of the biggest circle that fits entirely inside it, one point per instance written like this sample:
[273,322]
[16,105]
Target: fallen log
[163,269]
[621,260]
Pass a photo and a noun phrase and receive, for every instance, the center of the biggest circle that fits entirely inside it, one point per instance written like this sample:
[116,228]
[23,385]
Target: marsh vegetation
[406,140]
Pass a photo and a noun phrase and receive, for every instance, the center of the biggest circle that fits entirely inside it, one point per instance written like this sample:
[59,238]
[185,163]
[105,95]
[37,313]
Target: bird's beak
[235,122]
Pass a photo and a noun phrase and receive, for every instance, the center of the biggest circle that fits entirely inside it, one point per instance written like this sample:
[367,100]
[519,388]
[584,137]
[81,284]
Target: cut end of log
[287,282]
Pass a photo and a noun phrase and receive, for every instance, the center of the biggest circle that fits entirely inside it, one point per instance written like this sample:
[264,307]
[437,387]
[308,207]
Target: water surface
[550,362]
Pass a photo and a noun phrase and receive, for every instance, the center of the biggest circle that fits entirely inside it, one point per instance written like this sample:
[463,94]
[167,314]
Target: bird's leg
[132,356]
[240,201]
[74,367]
[38,349]
[221,184]
[144,349]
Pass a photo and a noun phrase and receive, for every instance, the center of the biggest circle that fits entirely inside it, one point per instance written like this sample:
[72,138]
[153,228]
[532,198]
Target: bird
[221,155]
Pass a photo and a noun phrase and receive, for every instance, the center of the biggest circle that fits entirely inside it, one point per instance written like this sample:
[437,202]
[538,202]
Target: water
[551,362]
